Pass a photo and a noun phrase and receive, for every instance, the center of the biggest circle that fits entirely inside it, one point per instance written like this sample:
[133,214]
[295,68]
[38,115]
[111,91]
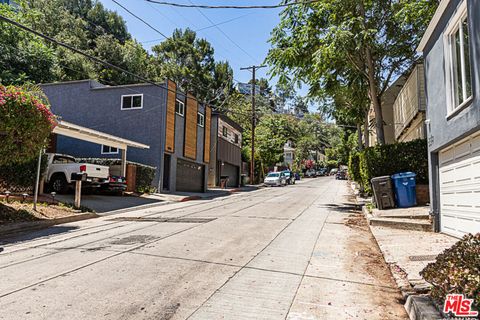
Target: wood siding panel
[190,148]
[208,125]
[170,124]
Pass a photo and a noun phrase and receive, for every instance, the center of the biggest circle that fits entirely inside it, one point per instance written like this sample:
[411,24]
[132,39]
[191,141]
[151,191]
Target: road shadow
[344,207]
[32,235]
[106,203]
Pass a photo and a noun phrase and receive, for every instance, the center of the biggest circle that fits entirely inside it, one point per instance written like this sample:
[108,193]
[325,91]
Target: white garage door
[460,187]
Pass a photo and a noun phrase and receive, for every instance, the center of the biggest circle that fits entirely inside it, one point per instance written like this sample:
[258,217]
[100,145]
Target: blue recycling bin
[405,193]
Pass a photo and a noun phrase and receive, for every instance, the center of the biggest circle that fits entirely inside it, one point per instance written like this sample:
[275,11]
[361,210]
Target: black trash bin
[383,192]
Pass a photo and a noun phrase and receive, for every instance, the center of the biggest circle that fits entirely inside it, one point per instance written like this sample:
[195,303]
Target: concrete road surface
[297,252]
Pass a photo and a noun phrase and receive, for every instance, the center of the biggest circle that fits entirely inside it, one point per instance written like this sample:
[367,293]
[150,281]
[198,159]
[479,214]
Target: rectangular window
[179,107]
[236,138]
[458,67]
[225,132]
[109,150]
[132,101]
[200,119]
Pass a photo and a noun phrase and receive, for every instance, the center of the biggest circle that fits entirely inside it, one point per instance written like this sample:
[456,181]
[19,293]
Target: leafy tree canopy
[334,40]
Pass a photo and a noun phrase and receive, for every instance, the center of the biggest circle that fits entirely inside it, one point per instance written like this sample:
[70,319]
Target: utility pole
[252,160]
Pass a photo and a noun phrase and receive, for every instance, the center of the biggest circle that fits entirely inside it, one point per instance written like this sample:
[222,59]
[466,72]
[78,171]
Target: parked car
[333,171]
[289,176]
[341,175]
[275,179]
[114,185]
[310,173]
[62,168]
[321,172]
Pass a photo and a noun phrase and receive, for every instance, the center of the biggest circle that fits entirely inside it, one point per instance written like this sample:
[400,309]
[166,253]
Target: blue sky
[250,30]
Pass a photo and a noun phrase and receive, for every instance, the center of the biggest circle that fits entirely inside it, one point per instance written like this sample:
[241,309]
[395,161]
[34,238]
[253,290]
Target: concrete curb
[421,307]
[38,225]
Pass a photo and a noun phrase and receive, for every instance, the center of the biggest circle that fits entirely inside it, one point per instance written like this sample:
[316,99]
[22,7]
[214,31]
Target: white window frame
[110,148]
[132,107]
[455,25]
[183,107]
[201,117]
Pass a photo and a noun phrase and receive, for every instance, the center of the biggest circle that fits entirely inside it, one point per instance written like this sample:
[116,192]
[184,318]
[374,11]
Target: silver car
[275,179]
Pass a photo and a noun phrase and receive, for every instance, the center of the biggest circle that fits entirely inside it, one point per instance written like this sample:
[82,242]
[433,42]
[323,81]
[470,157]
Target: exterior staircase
[416,218]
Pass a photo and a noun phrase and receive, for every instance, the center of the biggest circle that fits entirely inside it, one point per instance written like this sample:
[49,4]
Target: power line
[167,38]
[139,18]
[181,5]
[223,32]
[200,29]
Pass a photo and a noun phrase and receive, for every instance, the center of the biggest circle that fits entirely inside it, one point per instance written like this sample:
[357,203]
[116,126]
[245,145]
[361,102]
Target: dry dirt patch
[16,211]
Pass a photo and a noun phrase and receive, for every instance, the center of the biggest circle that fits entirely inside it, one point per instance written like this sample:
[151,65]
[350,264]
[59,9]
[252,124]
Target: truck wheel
[59,184]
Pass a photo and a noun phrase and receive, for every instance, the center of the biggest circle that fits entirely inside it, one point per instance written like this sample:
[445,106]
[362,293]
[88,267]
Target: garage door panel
[460,187]
[190,176]
[458,225]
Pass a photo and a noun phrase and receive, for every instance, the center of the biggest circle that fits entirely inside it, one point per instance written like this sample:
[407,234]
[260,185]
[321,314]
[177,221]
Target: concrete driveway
[298,252]
[105,203]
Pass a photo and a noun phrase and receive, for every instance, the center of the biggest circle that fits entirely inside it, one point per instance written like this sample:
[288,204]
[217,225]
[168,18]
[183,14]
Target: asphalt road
[297,252]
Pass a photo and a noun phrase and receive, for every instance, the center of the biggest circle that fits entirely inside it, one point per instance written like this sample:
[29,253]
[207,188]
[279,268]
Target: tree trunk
[359,133]
[373,92]
[366,131]
[372,83]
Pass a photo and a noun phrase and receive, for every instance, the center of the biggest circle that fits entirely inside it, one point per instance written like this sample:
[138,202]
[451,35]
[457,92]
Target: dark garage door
[189,176]
[232,172]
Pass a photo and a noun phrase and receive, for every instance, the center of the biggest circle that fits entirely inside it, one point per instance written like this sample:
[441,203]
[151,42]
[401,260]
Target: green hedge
[20,177]
[144,178]
[354,167]
[389,159]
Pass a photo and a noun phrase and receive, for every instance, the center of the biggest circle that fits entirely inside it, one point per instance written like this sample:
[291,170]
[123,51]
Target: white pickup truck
[61,167]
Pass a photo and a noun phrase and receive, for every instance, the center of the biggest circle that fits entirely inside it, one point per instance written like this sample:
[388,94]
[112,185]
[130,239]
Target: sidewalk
[407,252]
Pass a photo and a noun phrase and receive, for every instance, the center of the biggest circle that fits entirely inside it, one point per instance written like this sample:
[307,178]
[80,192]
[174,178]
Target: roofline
[432,25]
[64,82]
[64,125]
[228,120]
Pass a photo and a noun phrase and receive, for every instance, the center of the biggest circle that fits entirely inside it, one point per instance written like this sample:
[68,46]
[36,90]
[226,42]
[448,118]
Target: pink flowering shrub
[26,123]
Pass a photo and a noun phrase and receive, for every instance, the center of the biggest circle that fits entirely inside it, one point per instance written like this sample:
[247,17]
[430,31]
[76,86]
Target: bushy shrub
[456,270]
[389,159]
[25,124]
[20,177]
[354,167]
[144,178]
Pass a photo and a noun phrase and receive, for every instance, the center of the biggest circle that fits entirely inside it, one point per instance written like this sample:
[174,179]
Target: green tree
[189,61]
[24,57]
[273,131]
[339,38]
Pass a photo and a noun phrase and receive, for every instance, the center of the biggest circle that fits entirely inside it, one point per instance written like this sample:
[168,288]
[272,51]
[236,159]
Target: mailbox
[79,177]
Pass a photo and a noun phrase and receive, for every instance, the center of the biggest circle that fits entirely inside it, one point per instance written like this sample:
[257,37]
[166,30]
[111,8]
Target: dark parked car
[341,175]
[290,176]
[115,185]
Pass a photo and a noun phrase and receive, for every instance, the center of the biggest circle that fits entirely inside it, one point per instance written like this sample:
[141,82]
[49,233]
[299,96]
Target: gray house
[174,125]
[226,151]
[451,50]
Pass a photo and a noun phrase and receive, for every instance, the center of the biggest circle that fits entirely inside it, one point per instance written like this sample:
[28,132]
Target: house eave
[433,24]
